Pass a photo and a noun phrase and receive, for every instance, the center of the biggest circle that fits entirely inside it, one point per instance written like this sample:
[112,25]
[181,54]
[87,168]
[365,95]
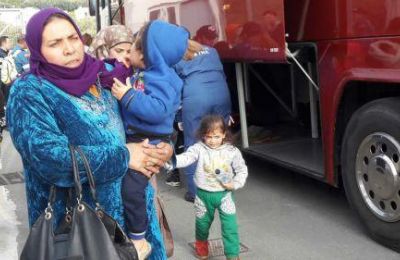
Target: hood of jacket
[164,43]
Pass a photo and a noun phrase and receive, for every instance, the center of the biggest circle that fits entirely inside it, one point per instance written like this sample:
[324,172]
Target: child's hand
[118,89]
[228,186]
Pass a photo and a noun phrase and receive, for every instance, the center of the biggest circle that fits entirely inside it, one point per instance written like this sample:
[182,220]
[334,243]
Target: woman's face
[121,53]
[61,44]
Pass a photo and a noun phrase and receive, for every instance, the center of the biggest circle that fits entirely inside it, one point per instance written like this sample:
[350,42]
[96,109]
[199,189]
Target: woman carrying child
[148,109]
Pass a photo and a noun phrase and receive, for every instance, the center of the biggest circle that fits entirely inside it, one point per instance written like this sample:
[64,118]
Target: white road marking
[8,226]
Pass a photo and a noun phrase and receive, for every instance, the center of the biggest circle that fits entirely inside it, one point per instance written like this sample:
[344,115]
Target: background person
[5,46]
[253,40]
[8,74]
[62,102]
[206,35]
[21,55]
[113,42]
[272,26]
[87,40]
[205,91]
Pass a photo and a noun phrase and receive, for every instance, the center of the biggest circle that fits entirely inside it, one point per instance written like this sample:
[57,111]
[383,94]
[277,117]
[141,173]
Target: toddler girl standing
[220,170]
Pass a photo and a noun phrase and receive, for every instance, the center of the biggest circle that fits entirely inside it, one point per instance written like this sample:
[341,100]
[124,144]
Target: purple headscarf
[76,81]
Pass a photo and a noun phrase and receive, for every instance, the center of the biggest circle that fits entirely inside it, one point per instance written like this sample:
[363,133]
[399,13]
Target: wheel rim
[377,166]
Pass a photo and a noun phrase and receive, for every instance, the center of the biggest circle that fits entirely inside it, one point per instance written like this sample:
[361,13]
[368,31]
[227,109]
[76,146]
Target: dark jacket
[3,53]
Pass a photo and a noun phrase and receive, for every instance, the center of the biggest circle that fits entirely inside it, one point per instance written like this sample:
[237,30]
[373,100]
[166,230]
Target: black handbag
[83,234]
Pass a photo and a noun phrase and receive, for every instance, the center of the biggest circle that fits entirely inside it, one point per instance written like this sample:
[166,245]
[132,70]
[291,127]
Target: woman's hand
[162,152]
[147,158]
[118,89]
[140,161]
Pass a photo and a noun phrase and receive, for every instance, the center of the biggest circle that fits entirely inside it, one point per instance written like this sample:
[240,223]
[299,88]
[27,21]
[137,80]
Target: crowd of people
[13,63]
[117,97]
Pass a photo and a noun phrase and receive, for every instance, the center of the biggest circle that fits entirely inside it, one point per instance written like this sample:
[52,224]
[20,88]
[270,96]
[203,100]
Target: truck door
[255,29]
[247,30]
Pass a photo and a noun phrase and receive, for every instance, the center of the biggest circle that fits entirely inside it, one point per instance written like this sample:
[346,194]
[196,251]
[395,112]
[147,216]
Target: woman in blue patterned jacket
[61,102]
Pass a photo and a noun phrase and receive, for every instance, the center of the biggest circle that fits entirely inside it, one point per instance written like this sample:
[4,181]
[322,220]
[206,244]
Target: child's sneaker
[201,248]
[174,179]
[189,197]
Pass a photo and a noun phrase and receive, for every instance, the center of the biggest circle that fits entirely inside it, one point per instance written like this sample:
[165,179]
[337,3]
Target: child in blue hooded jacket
[148,109]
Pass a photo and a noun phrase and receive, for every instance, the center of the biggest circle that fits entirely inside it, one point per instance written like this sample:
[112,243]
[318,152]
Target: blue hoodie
[153,111]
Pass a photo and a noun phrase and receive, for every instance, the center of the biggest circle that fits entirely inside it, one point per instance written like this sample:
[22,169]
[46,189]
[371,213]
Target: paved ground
[13,215]
[282,215]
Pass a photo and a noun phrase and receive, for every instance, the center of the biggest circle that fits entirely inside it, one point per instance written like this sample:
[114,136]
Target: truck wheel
[370,168]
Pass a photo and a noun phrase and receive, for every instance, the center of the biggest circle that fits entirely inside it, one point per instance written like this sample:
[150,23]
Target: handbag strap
[89,172]
[52,194]
[89,175]
[75,171]
[70,201]
[77,183]
[52,198]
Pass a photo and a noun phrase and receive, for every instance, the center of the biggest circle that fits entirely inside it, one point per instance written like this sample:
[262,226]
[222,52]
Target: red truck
[317,85]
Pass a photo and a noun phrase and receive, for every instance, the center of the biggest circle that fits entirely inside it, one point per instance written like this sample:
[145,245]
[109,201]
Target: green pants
[205,204]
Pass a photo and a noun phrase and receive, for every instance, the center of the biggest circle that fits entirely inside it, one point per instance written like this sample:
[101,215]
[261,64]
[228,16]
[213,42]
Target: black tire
[376,117]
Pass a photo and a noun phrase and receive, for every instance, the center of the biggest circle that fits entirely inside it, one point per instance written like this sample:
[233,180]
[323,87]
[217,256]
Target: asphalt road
[282,215]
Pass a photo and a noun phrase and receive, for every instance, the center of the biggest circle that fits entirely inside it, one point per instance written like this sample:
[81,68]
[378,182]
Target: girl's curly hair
[210,123]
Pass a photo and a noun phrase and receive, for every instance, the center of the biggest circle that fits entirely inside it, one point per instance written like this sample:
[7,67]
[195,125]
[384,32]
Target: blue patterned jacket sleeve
[41,138]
